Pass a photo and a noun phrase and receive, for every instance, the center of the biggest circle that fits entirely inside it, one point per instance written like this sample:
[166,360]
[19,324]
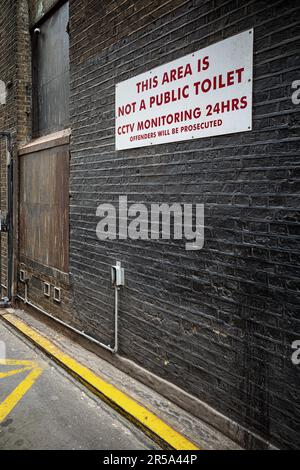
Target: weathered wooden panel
[44,207]
[50,74]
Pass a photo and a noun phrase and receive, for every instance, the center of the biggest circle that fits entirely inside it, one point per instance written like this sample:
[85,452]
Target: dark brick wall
[218,323]
[15,115]
[7,111]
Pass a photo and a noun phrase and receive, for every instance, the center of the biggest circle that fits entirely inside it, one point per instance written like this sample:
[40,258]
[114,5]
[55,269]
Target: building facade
[213,329]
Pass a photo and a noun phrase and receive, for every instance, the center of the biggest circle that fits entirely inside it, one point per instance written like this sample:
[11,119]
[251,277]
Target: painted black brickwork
[219,323]
[15,115]
[7,118]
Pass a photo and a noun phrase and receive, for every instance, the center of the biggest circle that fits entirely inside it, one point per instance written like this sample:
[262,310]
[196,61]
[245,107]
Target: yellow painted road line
[13,372]
[145,419]
[17,394]
[16,362]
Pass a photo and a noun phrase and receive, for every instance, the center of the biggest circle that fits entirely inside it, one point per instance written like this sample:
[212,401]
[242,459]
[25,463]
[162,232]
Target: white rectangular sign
[200,95]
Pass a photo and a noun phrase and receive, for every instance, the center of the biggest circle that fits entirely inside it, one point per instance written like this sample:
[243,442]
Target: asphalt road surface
[42,407]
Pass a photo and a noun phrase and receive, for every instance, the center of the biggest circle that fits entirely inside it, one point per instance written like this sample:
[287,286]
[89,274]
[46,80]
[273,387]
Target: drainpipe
[8,221]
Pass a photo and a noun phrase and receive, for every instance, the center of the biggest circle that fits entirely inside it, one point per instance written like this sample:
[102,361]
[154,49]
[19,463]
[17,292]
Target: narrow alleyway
[42,408]
[149,224]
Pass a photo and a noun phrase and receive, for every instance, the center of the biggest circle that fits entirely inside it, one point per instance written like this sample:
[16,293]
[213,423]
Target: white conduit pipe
[113,350]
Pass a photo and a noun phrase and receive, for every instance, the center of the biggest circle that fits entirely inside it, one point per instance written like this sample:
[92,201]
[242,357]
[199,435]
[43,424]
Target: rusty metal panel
[44,207]
[50,73]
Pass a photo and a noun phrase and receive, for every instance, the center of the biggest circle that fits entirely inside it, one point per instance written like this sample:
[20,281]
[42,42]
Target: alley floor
[41,407]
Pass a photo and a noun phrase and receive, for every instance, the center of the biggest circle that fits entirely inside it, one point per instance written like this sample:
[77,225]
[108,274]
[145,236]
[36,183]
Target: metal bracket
[4,303]
[117,275]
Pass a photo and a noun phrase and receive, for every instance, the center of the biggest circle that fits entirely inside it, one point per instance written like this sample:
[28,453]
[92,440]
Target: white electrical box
[117,275]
